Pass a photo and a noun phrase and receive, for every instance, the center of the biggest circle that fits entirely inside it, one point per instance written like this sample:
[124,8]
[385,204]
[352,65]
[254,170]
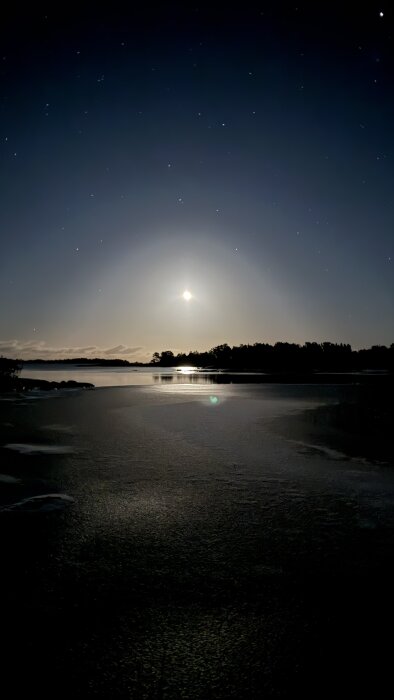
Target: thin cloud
[31,349]
[121,350]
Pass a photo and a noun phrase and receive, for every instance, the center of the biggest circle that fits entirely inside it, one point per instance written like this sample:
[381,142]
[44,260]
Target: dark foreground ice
[227,542]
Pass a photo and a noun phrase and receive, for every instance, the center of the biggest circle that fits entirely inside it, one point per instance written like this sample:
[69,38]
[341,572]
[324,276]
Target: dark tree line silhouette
[9,370]
[10,367]
[284,357]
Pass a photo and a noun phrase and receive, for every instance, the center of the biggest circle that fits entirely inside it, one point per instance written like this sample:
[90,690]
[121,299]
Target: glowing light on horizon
[187,295]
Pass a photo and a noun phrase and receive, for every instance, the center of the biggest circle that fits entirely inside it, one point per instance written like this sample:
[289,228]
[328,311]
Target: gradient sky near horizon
[246,155]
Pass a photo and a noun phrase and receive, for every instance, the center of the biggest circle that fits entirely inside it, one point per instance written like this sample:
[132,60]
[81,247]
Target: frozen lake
[193,540]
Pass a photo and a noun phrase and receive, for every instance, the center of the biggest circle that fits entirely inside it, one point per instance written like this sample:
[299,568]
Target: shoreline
[31,384]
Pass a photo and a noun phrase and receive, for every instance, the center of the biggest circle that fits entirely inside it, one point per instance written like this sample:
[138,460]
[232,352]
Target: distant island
[83,361]
[284,357]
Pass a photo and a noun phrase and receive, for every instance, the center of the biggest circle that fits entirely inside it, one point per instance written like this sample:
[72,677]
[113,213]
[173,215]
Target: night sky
[245,155]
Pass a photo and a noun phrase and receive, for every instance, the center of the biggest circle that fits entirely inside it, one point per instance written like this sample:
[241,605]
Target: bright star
[186,295]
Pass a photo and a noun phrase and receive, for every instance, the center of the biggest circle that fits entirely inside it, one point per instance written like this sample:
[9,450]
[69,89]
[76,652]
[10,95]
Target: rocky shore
[45,385]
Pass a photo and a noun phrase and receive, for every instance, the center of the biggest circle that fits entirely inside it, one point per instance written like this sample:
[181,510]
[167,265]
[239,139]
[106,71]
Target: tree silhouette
[9,370]
[284,357]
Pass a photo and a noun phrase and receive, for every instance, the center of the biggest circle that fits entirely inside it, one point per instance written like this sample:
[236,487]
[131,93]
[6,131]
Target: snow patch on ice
[7,479]
[44,503]
[28,449]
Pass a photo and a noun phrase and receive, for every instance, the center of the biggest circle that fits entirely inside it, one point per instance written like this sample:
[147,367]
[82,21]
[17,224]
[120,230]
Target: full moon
[186,295]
